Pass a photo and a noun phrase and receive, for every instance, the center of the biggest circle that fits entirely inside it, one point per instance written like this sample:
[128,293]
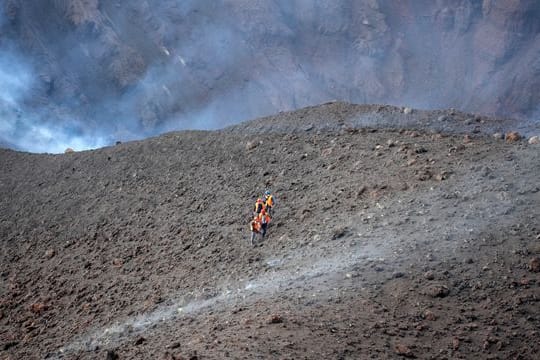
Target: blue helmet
[267,192]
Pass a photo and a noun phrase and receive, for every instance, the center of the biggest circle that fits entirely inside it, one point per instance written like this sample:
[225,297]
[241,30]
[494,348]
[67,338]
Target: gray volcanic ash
[384,243]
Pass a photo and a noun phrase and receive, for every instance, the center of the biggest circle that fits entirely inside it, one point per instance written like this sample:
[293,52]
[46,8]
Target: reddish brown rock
[455,344]
[429,315]
[534,264]
[403,350]
[512,136]
[38,308]
[275,319]
[437,290]
[117,262]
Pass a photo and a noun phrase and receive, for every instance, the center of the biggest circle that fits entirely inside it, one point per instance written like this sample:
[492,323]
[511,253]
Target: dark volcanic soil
[385,243]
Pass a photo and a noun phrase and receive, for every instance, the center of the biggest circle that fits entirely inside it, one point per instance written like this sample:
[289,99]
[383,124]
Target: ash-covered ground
[418,237]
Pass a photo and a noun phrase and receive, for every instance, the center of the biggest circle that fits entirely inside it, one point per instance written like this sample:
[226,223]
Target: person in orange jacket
[264,219]
[259,206]
[259,225]
[269,202]
[255,227]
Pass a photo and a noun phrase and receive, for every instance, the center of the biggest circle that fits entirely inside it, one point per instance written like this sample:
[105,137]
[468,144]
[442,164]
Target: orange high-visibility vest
[263,217]
[270,200]
[255,225]
[259,205]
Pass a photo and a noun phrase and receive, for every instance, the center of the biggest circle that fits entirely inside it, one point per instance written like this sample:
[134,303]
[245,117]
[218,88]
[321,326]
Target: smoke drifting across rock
[84,74]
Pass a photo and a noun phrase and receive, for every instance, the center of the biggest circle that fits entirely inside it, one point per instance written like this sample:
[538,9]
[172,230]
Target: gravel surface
[407,239]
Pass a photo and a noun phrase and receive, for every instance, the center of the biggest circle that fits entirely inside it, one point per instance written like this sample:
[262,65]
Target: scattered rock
[136,261]
[498,136]
[9,345]
[429,275]
[512,136]
[467,139]
[455,344]
[112,355]
[437,290]
[485,171]
[326,152]
[441,176]
[424,175]
[275,319]
[407,110]
[351,130]
[174,345]
[339,232]
[304,213]
[534,264]
[403,350]
[69,151]
[250,145]
[429,315]
[443,118]
[534,140]
[117,262]
[361,191]
[38,308]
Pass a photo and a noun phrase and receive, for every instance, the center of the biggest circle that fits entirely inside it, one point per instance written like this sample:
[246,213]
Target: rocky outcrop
[216,63]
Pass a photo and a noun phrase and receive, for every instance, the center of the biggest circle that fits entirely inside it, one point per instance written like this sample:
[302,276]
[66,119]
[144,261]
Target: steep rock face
[152,61]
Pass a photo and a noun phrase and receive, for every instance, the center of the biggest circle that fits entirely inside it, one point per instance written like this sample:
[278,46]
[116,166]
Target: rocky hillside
[135,68]
[385,243]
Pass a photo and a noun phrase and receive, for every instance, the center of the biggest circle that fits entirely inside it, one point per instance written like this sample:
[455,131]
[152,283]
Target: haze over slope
[85,73]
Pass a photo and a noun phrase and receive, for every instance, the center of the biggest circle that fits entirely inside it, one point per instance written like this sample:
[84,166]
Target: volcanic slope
[386,242]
